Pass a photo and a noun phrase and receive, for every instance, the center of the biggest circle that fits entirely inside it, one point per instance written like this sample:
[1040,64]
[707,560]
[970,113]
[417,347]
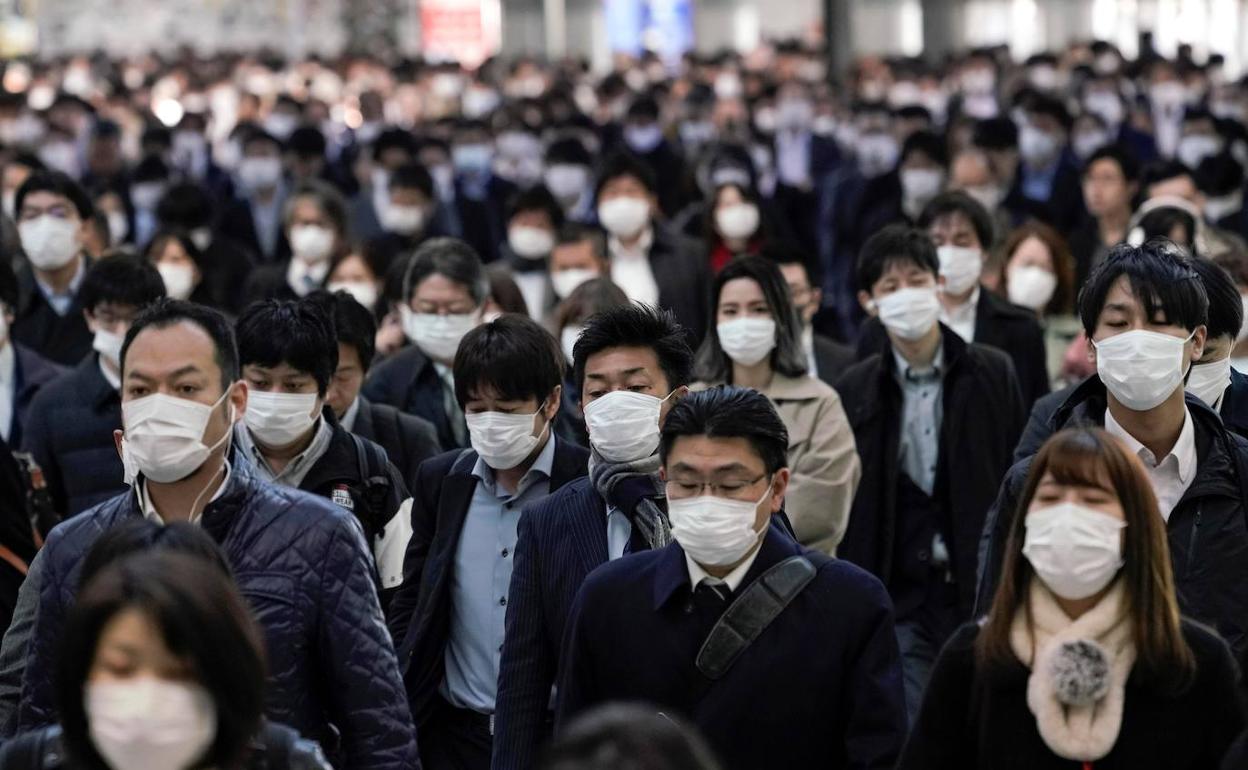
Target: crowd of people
[727,413]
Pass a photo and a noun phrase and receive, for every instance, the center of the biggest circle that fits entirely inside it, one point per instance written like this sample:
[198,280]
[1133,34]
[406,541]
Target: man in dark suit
[255,220]
[820,684]
[636,362]
[828,358]
[448,615]
[642,134]
[445,291]
[408,440]
[652,263]
[480,195]
[23,372]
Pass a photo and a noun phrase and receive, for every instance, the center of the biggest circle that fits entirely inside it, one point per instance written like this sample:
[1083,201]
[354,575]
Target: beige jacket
[822,456]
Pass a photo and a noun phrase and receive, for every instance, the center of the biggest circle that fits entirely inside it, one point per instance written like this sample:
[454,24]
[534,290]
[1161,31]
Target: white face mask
[108,345]
[1209,381]
[311,244]
[623,425]
[737,221]
[1085,143]
[146,195]
[567,339]
[1141,368]
[1194,148]
[1036,146]
[402,220]
[747,340]
[715,531]
[364,292]
[567,182]
[118,227]
[503,440]
[960,266]
[1075,550]
[259,173]
[987,195]
[1031,286]
[909,313]
[150,723]
[876,154]
[566,281]
[279,419]
[921,184]
[179,279]
[624,217]
[530,242]
[437,336]
[49,242]
[164,436]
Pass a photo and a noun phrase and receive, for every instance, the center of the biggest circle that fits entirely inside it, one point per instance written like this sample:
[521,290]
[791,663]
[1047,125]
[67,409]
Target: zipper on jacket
[1191,546]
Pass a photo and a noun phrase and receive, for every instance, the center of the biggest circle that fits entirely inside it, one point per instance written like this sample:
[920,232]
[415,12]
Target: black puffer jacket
[302,564]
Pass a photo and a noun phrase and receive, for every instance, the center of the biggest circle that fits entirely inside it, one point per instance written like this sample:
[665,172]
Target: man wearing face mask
[315,221]
[652,263]
[1048,186]
[300,559]
[632,364]
[148,183]
[828,359]
[448,616]
[407,214]
[934,419]
[70,425]
[393,148]
[661,627]
[803,160]
[533,219]
[480,195]
[227,264]
[569,177]
[53,214]
[643,137]
[445,289]
[1145,310]
[23,372]
[255,219]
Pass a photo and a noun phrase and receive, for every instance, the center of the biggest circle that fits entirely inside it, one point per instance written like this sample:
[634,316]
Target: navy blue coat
[407,439]
[31,372]
[302,564]
[69,431]
[409,382]
[820,687]
[64,339]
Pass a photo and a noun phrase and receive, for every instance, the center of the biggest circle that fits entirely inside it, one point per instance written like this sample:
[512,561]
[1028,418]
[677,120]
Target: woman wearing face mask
[1083,657]
[754,341]
[180,264]
[734,224]
[588,299]
[315,218]
[357,272]
[1039,275]
[163,667]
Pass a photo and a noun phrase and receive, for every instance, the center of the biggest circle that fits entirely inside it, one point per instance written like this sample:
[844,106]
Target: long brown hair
[1063,263]
[1091,457]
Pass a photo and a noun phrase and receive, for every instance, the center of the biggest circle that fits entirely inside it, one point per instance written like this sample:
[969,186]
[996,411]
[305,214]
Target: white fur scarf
[1079,674]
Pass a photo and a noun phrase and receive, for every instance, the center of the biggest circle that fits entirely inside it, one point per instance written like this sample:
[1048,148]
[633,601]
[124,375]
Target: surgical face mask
[715,531]
[624,216]
[503,440]
[1218,207]
[50,242]
[1209,381]
[530,242]
[738,221]
[960,266]
[1141,368]
[567,182]
[624,425]
[1036,146]
[1031,286]
[643,139]
[794,114]
[437,336]
[118,227]
[747,341]
[402,220]
[909,313]
[279,419]
[921,184]
[202,238]
[1075,550]
[1194,148]
[150,723]
[108,345]
[566,281]
[567,339]
[145,195]
[311,244]
[472,159]
[1085,143]
[364,292]
[259,173]
[179,279]
[877,154]
[164,436]
[987,195]
[1105,105]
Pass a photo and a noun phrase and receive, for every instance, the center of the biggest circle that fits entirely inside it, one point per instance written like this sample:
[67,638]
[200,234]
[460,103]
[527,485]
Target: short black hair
[1163,170]
[297,333]
[727,411]
[1127,164]
[928,143]
[618,736]
[8,286]
[56,183]
[995,134]
[412,176]
[354,326]
[958,202]
[186,205]
[513,356]
[623,163]
[307,142]
[394,139]
[167,312]
[120,279]
[640,326]
[893,245]
[536,198]
[1226,309]
[452,258]
[202,617]
[1050,106]
[789,252]
[568,151]
[1162,279]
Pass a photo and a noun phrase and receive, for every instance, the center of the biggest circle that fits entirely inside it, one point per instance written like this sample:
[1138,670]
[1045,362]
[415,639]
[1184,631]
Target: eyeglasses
[733,489]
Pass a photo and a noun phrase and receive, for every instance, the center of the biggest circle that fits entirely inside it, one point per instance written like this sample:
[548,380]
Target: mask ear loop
[228,440]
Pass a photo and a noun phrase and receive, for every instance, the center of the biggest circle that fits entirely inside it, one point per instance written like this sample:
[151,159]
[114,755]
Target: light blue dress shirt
[619,530]
[921,414]
[481,579]
[62,302]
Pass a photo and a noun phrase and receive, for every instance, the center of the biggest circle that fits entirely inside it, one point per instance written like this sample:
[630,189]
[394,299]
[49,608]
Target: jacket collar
[785,388]
[672,573]
[219,514]
[571,463]
[953,350]
[99,391]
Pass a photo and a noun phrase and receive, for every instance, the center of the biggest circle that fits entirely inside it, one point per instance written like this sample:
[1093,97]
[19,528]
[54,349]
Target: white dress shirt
[962,318]
[698,576]
[303,278]
[149,508]
[1174,473]
[8,385]
[630,269]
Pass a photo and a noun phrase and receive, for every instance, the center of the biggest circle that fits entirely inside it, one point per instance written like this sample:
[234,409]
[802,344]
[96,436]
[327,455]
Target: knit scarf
[1079,671]
[633,487]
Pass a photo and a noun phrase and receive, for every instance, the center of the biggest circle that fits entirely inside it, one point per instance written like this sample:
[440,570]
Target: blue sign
[662,26]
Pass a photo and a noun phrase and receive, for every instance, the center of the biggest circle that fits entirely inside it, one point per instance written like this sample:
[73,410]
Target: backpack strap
[750,614]
[371,462]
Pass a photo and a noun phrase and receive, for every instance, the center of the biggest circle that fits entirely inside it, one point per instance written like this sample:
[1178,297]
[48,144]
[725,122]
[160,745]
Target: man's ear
[1199,337]
[90,319]
[117,436]
[238,397]
[867,304]
[553,402]
[779,486]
